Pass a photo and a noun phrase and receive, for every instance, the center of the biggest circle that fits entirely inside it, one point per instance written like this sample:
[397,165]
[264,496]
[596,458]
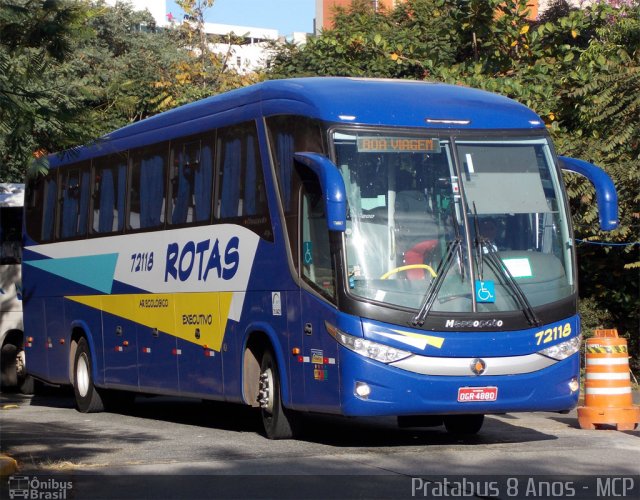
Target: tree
[408,42]
[37,103]
[73,71]
[198,71]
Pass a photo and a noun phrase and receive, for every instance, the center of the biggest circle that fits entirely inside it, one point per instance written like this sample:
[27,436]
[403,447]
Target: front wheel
[463,425]
[277,421]
[88,399]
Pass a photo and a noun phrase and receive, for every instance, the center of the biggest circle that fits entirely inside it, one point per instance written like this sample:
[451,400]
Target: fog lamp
[363,390]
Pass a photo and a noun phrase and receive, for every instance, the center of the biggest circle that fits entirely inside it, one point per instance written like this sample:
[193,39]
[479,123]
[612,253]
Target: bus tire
[277,421]
[28,385]
[463,425]
[9,367]
[88,400]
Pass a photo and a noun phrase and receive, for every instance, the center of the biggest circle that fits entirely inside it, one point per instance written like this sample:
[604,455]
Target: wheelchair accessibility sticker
[485,292]
[307,252]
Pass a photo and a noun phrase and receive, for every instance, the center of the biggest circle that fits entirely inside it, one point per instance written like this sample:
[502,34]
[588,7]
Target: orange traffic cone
[607,391]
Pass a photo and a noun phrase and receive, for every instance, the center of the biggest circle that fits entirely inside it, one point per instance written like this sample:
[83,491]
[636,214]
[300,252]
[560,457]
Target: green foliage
[409,42]
[579,69]
[198,72]
[38,104]
[71,71]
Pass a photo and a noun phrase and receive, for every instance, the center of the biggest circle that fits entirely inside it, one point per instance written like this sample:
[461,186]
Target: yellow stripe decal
[200,318]
[430,339]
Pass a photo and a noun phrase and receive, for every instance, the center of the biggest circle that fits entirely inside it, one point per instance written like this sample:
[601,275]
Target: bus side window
[317,265]
[50,205]
[109,188]
[191,182]
[288,134]
[147,194]
[241,187]
[34,204]
[74,201]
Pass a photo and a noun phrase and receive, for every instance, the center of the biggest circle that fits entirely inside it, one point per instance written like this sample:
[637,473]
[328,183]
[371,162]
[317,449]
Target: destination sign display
[395,144]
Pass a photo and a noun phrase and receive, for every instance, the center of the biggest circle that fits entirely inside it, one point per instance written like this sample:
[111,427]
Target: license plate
[477,394]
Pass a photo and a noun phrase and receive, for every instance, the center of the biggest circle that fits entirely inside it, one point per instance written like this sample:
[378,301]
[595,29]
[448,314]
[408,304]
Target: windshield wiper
[501,270]
[436,284]
[454,248]
[485,246]
[479,241]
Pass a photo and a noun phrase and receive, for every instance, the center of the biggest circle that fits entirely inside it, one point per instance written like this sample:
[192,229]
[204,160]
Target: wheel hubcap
[264,394]
[20,371]
[82,375]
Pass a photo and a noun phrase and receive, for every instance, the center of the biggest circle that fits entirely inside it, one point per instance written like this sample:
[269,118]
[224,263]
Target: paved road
[158,441]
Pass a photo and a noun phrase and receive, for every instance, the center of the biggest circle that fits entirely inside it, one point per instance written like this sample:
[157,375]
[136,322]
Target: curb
[7,466]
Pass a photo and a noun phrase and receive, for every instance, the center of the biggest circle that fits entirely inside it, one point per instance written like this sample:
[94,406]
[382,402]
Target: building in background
[157,8]
[248,52]
[325,9]
[244,47]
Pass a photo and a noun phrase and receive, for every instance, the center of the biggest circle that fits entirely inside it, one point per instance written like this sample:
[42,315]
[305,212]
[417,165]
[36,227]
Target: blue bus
[345,246]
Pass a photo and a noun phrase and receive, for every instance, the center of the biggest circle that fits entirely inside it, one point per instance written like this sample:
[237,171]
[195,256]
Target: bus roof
[398,103]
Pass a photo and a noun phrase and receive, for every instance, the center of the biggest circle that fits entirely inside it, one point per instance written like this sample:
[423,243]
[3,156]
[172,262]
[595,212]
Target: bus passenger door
[320,350]
[320,371]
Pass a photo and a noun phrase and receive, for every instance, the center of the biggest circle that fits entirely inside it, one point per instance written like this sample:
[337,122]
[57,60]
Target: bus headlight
[367,348]
[562,350]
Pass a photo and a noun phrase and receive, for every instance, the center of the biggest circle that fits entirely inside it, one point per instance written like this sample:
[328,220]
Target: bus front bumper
[371,388]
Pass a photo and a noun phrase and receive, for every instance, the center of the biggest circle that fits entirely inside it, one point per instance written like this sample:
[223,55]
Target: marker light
[563,350]
[362,390]
[574,385]
[367,348]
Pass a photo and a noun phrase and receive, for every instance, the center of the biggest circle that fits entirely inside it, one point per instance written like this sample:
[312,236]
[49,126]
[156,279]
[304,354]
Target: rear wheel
[9,366]
[464,425]
[277,421]
[88,399]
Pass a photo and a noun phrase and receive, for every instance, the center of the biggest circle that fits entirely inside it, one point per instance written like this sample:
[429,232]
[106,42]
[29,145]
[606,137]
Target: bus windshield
[478,223]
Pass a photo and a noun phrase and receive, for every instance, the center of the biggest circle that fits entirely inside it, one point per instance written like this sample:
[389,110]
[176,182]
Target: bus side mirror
[605,190]
[333,190]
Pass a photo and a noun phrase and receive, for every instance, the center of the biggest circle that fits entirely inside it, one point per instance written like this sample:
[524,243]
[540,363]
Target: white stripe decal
[608,376]
[607,361]
[610,391]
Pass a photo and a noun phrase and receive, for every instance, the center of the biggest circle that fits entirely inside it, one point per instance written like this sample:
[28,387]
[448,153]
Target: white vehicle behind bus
[13,373]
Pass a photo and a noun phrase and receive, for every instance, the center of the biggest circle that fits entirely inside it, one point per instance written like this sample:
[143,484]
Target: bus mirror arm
[332,184]
[605,190]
